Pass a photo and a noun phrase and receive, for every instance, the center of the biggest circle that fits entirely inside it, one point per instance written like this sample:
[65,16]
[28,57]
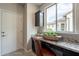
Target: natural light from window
[60,17]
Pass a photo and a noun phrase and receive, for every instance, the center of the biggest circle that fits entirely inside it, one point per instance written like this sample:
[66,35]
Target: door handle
[3,32]
[3,35]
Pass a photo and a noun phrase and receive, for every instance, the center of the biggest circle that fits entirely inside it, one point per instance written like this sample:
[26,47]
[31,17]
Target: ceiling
[38,4]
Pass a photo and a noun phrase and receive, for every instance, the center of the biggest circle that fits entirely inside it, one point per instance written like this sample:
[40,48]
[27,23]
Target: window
[60,17]
[51,18]
[62,26]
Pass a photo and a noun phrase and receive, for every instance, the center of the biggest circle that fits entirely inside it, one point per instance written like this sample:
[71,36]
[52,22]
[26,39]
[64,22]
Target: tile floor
[20,53]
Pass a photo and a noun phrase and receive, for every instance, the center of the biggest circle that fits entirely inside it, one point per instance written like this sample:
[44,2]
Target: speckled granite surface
[70,38]
[67,45]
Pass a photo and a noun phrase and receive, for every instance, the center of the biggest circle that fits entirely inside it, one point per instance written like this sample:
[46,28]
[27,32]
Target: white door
[8,32]
[0,32]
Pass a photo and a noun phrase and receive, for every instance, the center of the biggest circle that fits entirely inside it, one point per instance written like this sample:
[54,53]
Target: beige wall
[20,40]
[25,26]
[29,26]
[8,6]
[76,17]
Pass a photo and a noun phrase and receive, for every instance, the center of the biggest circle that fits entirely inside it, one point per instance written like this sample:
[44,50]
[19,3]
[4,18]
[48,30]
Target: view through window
[60,17]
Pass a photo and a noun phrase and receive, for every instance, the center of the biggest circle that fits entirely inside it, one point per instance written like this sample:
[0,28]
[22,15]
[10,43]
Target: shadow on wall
[29,44]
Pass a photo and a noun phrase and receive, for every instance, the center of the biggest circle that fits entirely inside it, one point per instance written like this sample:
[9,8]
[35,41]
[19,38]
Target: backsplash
[72,38]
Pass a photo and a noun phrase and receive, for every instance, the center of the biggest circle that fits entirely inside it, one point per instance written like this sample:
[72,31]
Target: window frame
[74,30]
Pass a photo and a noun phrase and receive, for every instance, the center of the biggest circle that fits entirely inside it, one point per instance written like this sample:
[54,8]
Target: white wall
[29,26]
[45,5]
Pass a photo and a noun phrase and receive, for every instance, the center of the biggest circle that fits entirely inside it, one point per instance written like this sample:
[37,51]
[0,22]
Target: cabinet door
[8,32]
[0,32]
[3,33]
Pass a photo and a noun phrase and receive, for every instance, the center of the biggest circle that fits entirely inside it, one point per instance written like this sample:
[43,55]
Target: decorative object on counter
[51,35]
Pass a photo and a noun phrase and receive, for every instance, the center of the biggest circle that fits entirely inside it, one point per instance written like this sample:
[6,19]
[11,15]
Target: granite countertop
[69,46]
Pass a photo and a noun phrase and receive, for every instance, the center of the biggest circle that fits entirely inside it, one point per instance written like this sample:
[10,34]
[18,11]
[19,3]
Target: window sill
[67,33]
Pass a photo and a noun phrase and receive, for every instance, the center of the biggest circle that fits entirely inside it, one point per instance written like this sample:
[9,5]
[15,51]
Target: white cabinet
[0,32]
[8,32]
[11,28]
